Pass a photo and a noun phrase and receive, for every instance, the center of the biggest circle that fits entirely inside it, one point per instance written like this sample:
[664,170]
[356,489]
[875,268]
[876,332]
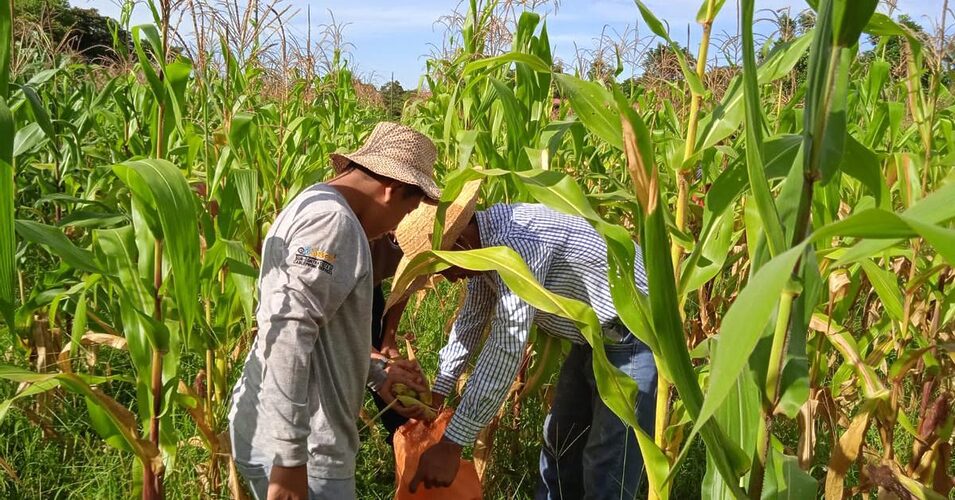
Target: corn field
[794,212]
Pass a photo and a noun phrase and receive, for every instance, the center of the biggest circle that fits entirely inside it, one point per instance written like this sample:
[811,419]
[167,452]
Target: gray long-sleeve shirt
[299,395]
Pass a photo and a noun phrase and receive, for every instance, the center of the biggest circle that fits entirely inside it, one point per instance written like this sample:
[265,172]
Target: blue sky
[392,37]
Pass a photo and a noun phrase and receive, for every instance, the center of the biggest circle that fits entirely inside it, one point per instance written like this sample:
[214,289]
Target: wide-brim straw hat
[396,152]
[414,234]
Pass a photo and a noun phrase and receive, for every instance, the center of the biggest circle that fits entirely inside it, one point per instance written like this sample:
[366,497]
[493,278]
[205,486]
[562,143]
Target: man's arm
[305,280]
[496,368]
[389,326]
[465,334]
[485,391]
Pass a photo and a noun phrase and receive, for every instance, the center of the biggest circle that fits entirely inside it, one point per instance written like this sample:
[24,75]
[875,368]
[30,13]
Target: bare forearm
[392,321]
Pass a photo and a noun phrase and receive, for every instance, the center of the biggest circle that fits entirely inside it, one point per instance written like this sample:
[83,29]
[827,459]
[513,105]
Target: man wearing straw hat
[295,406]
[588,452]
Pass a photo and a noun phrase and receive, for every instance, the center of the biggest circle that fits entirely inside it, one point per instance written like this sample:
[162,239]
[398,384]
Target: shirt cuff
[444,384]
[376,377]
[294,455]
[463,430]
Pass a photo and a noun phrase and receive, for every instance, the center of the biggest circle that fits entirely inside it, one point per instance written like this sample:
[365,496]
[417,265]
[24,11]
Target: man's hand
[438,466]
[437,400]
[390,349]
[288,483]
[405,372]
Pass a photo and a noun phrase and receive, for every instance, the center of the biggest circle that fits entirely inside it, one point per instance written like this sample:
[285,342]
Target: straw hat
[416,229]
[396,152]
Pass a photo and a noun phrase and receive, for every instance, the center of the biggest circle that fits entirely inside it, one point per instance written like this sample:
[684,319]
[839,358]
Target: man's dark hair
[410,190]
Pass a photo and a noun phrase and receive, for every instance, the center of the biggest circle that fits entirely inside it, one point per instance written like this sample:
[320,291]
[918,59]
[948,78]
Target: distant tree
[662,64]
[806,21]
[393,95]
[83,30]
[892,50]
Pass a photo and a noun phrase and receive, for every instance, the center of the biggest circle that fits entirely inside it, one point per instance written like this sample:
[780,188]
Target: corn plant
[797,236]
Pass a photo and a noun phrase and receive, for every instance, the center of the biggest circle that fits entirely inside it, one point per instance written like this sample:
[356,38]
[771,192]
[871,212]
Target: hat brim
[387,167]
[415,235]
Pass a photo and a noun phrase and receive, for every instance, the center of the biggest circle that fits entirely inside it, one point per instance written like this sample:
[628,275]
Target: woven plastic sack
[411,441]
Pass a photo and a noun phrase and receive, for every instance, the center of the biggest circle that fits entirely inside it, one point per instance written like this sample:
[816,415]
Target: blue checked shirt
[569,258]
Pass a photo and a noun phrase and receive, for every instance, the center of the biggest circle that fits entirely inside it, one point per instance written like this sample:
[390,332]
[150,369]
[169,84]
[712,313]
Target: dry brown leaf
[839,282]
[844,454]
[200,416]
[63,359]
[235,485]
[114,341]
[6,467]
[644,176]
[89,338]
[807,432]
[225,443]
[484,445]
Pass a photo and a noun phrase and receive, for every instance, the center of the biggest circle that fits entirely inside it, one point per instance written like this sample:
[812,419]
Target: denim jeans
[588,452]
[257,478]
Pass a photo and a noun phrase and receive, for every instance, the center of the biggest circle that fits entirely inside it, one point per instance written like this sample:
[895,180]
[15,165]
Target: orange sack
[411,441]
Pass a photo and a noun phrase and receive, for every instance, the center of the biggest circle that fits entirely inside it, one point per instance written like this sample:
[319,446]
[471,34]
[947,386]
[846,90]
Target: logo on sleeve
[314,258]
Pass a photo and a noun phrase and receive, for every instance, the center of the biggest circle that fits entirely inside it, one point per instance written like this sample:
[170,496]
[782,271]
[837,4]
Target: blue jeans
[588,453]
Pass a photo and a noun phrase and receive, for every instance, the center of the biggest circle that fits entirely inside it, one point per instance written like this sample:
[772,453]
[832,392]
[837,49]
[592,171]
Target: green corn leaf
[6,48]
[886,285]
[144,61]
[58,243]
[242,275]
[785,480]
[664,302]
[729,114]
[120,418]
[594,107]
[514,112]
[531,61]
[92,219]
[30,390]
[8,263]
[80,319]
[175,78]
[714,248]
[696,85]
[846,345]
[780,152]
[754,306]
[754,140]
[28,139]
[738,416]
[39,111]
[466,140]
[701,14]
[101,422]
[241,129]
[247,185]
[115,249]
[163,192]
[863,164]
[849,19]
[743,326]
